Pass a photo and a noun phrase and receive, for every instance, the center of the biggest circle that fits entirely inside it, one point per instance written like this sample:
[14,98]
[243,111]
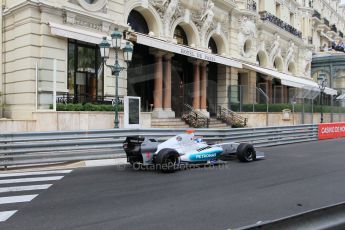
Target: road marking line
[17,199]
[30,179]
[34,173]
[25,188]
[5,215]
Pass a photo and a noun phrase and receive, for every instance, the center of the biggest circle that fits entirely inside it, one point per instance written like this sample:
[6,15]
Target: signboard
[132,112]
[331,130]
[184,50]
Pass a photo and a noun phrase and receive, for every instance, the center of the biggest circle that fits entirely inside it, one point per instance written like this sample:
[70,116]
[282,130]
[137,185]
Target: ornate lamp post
[116,37]
[322,82]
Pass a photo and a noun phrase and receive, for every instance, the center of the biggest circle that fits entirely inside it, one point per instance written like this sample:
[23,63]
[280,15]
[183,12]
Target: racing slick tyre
[246,152]
[167,160]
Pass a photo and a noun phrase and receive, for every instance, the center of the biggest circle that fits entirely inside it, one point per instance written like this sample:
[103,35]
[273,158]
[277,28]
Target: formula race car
[184,149]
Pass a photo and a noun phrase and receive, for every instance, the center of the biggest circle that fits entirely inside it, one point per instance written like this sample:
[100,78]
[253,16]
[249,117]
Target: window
[85,72]
[213,46]
[278,12]
[292,19]
[138,22]
[180,36]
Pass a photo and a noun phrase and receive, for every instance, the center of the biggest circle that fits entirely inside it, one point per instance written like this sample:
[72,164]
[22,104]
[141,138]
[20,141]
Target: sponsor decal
[331,130]
[205,155]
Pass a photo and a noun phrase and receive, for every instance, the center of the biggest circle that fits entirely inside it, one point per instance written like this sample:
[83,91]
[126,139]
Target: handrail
[194,118]
[230,117]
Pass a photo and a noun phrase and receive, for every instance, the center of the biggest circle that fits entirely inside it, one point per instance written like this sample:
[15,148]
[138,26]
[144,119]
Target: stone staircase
[168,123]
[178,123]
[217,124]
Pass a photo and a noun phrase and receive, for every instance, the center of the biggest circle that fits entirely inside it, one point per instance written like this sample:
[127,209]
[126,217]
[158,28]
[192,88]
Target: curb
[105,162]
[68,165]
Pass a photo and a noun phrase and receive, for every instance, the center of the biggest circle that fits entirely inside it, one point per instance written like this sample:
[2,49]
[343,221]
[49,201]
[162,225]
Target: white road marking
[34,173]
[17,199]
[25,188]
[30,179]
[5,215]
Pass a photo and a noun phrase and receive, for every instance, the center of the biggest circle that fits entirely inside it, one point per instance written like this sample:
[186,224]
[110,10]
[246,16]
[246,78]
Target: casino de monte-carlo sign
[184,50]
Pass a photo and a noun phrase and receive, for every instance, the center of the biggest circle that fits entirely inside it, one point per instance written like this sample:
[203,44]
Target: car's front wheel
[167,160]
[246,152]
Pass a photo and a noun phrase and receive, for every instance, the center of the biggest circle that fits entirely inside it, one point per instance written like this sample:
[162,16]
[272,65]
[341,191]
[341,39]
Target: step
[167,126]
[216,122]
[168,122]
[166,119]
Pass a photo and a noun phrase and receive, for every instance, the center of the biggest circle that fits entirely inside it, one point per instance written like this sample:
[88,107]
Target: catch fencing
[63,146]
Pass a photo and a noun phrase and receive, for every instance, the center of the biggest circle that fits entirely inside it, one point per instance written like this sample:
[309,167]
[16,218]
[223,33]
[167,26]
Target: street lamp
[322,82]
[116,38]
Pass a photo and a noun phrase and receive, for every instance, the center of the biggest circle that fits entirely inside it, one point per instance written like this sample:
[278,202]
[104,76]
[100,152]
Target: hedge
[85,107]
[280,107]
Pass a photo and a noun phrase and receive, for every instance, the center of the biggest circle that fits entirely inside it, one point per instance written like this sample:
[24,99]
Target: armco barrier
[61,146]
[325,218]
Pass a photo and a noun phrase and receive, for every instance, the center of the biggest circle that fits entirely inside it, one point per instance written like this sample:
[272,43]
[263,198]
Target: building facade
[328,26]
[201,53]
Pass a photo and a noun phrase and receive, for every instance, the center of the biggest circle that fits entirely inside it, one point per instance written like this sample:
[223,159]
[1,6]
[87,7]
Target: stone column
[269,90]
[158,84]
[203,89]
[252,87]
[167,86]
[234,89]
[285,94]
[196,86]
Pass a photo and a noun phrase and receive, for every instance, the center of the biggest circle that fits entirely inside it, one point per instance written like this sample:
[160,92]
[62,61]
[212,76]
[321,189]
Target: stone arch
[262,57]
[190,29]
[278,63]
[221,42]
[292,68]
[151,16]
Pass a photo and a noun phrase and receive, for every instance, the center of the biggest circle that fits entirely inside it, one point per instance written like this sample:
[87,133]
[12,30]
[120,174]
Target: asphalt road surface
[292,179]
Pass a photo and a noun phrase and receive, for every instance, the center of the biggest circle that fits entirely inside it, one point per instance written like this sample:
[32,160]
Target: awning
[291,80]
[286,79]
[330,91]
[74,33]
[326,36]
[341,97]
[185,50]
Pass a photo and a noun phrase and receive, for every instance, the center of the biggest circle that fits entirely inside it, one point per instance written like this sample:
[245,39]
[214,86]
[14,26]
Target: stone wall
[65,121]
[276,119]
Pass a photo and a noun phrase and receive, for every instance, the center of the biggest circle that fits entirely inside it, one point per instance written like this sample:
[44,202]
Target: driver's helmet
[198,140]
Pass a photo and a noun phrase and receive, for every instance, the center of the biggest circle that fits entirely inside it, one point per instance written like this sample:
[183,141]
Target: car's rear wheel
[167,160]
[246,152]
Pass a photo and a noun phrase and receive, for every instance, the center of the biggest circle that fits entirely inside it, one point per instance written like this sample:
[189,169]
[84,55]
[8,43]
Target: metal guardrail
[326,218]
[60,146]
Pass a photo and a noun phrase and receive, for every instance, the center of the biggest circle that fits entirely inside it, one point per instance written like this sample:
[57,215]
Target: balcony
[251,5]
[326,22]
[317,15]
[310,40]
[334,28]
[266,16]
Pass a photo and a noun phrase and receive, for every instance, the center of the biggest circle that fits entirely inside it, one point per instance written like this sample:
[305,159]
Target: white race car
[183,149]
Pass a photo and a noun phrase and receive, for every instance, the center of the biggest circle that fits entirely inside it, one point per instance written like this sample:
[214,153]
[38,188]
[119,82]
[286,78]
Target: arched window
[258,60]
[180,36]
[213,46]
[138,22]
